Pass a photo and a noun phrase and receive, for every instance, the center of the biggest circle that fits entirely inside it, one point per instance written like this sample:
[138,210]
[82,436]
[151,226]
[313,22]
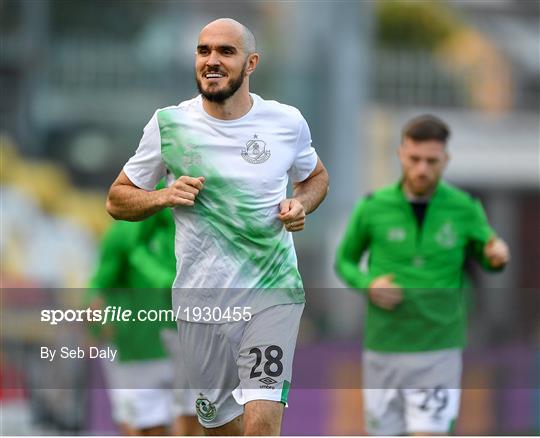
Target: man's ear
[447,157]
[252,62]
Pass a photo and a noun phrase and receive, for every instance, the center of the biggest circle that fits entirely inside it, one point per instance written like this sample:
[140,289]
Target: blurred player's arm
[158,269]
[128,202]
[381,290]
[488,249]
[108,274]
[307,196]
[154,270]
[111,259]
[353,245]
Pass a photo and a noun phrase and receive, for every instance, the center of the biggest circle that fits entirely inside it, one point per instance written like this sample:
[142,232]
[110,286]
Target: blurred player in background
[136,270]
[232,154]
[418,233]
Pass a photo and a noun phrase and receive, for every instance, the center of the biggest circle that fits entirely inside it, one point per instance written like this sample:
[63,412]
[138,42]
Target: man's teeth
[214,75]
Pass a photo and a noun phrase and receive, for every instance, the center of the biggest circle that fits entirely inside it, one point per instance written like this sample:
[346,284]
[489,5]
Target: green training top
[427,262]
[136,271]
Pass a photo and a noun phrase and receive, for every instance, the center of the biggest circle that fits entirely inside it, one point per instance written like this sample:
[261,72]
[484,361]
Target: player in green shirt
[418,233]
[136,270]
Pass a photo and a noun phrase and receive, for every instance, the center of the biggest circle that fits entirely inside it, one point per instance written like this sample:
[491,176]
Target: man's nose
[213,59]
[422,167]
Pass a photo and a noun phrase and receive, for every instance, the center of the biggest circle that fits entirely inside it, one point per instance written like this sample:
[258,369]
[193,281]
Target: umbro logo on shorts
[267,380]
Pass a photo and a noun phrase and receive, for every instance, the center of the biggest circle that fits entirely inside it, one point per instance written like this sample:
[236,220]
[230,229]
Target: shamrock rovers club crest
[206,410]
[255,151]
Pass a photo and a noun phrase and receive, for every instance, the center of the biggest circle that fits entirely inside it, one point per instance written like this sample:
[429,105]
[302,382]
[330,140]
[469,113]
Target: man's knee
[232,428]
[263,417]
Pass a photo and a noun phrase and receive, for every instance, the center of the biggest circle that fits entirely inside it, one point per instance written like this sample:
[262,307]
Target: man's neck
[234,107]
[415,197]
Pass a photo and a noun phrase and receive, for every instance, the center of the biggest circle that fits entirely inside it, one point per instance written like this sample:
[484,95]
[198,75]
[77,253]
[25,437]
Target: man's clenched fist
[182,192]
[497,252]
[292,214]
[383,292]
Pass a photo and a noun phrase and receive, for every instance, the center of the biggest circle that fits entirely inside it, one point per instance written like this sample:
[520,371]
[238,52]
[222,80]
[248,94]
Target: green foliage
[413,24]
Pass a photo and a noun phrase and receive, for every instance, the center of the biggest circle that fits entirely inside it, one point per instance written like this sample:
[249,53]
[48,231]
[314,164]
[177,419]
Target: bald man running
[238,293]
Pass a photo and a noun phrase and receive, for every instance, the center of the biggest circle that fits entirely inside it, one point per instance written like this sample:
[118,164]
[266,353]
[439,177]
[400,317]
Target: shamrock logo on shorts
[206,410]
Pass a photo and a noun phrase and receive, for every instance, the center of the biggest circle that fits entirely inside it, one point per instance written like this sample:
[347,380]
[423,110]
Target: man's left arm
[307,196]
[491,251]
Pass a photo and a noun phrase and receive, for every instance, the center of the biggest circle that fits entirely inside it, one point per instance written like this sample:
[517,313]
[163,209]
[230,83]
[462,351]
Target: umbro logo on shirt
[255,151]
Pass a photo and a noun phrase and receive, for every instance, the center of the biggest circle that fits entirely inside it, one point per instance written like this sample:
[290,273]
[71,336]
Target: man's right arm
[128,202]
[354,243]
[132,196]
[381,290]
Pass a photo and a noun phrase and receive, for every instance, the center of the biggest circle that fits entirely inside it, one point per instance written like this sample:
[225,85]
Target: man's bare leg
[154,431]
[127,430]
[263,417]
[232,428]
[186,425]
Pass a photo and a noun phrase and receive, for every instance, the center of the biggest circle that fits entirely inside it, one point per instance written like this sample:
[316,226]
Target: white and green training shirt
[231,249]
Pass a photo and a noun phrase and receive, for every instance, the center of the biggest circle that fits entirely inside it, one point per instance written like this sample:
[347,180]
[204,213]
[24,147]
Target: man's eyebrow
[222,47]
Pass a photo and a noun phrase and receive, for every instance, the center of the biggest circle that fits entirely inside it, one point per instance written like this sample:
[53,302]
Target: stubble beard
[222,95]
[426,188]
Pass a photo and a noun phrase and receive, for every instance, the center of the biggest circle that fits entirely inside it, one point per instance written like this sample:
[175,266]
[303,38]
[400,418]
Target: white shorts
[237,362]
[411,392]
[140,392]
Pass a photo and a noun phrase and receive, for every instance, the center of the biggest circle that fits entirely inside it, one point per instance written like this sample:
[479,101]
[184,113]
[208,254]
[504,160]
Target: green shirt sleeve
[112,257]
[110,270]
[353,245]
[152,265]
[480,233]
[155,272]
[156,269]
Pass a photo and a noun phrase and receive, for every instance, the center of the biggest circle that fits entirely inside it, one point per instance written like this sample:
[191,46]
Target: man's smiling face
[220,61]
